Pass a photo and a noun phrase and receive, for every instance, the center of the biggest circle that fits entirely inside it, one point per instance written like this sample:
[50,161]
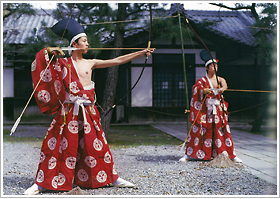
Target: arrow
[73,48]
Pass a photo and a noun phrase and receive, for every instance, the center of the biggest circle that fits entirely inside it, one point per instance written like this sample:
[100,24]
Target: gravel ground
[154,169]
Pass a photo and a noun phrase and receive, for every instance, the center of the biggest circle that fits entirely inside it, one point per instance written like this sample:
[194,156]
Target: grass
[36,142]
[130,136]
[118,137]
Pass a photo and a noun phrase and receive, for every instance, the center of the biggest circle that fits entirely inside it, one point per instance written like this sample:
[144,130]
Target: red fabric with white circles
[207,137]
[72,152]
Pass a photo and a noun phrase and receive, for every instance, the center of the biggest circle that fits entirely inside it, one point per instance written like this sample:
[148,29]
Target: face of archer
[211,67]
[82,43]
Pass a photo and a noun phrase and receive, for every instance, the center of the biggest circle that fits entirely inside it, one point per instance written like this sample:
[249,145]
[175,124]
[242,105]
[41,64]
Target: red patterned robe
[75,149]
[210,134]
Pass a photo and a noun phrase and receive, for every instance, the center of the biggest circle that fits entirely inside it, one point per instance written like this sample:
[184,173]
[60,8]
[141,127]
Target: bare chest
[214,82]
[84,72]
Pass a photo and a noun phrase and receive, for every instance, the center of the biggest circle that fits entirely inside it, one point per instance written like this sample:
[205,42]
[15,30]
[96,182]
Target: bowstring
[143,68]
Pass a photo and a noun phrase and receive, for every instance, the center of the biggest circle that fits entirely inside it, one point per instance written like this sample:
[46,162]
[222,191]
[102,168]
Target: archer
[210,133]
[75,149]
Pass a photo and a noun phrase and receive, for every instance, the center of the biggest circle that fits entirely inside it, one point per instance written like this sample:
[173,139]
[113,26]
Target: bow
[143,68]
[188,23]
[13,129]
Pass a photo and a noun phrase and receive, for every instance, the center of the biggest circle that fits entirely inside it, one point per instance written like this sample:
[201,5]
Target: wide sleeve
[47,82]
[196,111]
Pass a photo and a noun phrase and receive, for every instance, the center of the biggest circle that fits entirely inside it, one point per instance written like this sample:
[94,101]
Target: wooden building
[160,94]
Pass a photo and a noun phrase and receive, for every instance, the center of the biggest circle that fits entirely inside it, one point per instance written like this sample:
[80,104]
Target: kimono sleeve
[47,82]
[196,102]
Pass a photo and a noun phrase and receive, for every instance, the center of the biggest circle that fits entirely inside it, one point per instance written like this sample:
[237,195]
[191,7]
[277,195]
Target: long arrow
[73,48]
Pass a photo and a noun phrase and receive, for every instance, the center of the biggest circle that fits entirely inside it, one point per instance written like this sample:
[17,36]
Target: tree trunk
[112,73]
[261,110]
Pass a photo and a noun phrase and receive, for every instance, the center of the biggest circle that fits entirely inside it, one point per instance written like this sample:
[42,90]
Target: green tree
[15,10]
[266,22]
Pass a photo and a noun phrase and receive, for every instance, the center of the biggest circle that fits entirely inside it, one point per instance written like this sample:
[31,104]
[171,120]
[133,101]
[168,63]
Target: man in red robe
[210,134]
[75,150]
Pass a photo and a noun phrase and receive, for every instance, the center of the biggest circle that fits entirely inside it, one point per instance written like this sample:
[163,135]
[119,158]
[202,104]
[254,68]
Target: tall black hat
[69,29]
[205,56]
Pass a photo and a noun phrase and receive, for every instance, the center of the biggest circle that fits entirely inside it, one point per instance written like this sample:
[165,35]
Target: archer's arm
[223,84]
[121,59]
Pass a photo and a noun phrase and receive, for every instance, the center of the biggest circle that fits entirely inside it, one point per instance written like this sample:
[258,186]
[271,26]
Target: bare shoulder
[221,79]
[89,63]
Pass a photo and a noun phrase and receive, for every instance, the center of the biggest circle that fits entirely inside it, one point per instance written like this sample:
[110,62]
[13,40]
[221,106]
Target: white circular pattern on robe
[52,125]
[214,153]
[189,150]
[52,143]
[52,163]
[228,142]
[195,128]
[203,118]
[82,143]
[107,157]
[192,102]
[226,117]
[46,76]
[200,154]
[42,157]
[114,170]
[196,141]
[90,161]
[57,66]
[228,129]
[218,143]
[96,125]
[61,179]
[220,130]
[222,118]
[192,116]
[70,162]
[55,182]
[195,91]
[46,56]
[197,105]
[40,176]
[74,87]
[208,142]
[82,175]
[44,96]
[97,144]
[225,153]
[57,86]
[87,128]
[189,138]
[104,138]
[64,72]
[217,119]
[202,131]
[209,119]
[33,65]
[225,108]
[63,144]
[73,126]
[92,110]
[101,176]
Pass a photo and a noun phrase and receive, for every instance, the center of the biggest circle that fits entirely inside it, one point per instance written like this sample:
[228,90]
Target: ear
[74,44]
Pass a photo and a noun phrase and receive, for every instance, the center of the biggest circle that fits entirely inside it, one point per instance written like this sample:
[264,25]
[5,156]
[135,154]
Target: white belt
[78,102]
[211,105]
